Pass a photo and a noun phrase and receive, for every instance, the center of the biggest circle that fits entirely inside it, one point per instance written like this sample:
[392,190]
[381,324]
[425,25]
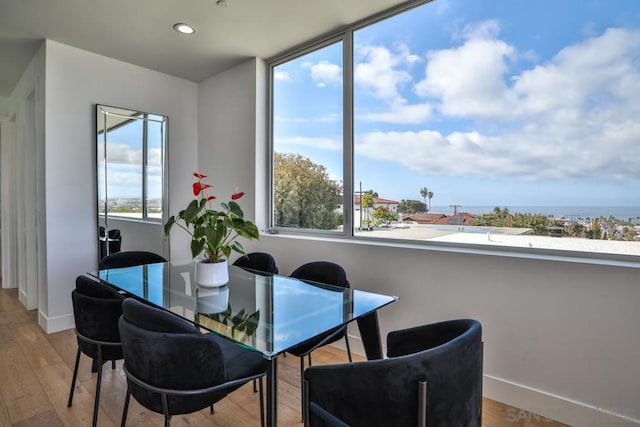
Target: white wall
[23,152]
[139,236]
[227,132]
[76,81]
[4,106]
[561,338]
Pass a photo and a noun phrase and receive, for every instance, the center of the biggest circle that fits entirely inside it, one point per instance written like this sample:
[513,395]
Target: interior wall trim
[56,324]
[552,406]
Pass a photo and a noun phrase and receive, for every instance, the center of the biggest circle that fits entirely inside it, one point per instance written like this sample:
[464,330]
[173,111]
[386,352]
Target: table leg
[370,334]
[272,392]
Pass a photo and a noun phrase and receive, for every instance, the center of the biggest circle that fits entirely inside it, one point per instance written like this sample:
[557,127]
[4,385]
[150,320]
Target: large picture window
[308,140]
[495,123]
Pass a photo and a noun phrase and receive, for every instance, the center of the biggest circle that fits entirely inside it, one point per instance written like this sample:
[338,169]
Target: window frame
[348,233]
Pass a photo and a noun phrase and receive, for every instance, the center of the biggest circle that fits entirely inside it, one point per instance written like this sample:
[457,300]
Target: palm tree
[424,192]
[430,196]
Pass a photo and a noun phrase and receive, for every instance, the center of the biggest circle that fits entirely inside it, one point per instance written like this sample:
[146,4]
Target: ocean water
[620,212]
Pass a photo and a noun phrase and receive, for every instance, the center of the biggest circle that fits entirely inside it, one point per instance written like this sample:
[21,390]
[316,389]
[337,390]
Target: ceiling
[141,31]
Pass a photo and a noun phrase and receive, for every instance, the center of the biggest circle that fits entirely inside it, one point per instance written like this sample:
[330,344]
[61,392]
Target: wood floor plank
[20,390]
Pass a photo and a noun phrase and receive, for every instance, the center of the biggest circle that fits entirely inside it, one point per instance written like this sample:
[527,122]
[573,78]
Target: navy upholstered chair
[130,259]
[173,369]
[332,274]
[432,376]
[258,261]
[96,310]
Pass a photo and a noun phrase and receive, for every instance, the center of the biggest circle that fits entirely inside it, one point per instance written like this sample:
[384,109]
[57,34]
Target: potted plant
[213,232]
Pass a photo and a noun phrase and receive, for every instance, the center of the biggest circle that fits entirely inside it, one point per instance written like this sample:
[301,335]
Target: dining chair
[113,239]
[320,272]
[172,368]
[258,261]
[432,376]
[129,259]
[96,310]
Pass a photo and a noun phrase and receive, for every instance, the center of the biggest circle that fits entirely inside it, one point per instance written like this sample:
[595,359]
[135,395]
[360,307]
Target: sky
[484,102]
[124,165]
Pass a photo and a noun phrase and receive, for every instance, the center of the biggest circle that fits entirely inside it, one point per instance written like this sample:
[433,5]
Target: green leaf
[252,323]
[226,250]
[197,246]
[238,318]
[169,224]
[237,246]
[192,212]
[236,209]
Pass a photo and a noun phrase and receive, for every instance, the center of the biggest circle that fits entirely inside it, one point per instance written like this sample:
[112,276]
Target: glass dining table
[265,312]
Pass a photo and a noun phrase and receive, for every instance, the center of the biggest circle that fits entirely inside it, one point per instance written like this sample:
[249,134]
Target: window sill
[581,257]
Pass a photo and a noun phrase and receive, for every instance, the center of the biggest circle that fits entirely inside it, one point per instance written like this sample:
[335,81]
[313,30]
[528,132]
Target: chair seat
[240,362]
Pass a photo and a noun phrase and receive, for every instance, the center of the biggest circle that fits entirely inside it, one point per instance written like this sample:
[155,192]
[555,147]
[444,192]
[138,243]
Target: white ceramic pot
[211,301]
[212,274]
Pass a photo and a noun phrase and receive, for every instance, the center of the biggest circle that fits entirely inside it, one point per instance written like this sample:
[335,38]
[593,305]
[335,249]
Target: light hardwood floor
[36,371]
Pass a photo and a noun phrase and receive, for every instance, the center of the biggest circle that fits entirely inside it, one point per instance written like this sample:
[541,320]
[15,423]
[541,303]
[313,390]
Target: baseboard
[550,406]
[56,324]
[22,297]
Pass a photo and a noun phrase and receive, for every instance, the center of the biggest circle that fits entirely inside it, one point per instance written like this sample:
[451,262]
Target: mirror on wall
[131,180]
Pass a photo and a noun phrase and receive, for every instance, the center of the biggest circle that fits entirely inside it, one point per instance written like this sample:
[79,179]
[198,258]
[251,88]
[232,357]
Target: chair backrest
[130,259]
[322,272]
[260,261]
[447,355]
[96,310]
[168,352]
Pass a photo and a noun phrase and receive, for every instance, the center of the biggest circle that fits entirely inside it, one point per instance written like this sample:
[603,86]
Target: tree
[304,195]
[366,202]
[503,218]
[384,215]
[411,206]
[430,196]
[424,192]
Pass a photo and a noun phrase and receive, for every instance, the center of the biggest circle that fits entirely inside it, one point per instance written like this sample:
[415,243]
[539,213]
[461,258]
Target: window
[308,140]
[492,123]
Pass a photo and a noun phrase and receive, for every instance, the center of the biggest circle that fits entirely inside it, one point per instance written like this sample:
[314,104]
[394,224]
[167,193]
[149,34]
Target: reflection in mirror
[131,180]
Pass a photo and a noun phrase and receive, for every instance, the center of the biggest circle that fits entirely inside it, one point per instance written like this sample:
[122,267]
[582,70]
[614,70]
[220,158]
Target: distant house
[391,205]
[423,218]
[461,218]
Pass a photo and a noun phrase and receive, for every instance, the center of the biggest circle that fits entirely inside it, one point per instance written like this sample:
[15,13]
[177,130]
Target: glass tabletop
[270,313]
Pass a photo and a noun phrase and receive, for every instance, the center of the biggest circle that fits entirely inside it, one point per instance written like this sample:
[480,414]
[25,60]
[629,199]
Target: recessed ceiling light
[222,3]
[184,28]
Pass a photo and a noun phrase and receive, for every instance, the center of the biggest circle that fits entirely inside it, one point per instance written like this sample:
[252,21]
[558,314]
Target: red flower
[198,187]
[237,195]
[199,175]
[210,198]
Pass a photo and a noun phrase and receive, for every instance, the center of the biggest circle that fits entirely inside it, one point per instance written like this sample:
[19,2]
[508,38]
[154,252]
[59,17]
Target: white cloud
[322,143]
[123,154]
[404,114]
[325,73]
[382,73]
[378,73]
[469,79]
[281,76]
[573,116]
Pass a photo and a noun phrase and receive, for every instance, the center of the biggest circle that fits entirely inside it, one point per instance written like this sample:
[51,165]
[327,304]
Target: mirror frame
[102,112]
